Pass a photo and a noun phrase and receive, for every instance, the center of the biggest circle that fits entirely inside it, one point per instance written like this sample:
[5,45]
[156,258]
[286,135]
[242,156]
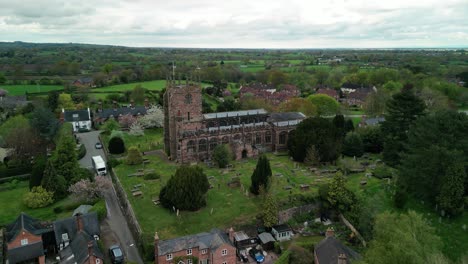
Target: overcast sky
[239,23]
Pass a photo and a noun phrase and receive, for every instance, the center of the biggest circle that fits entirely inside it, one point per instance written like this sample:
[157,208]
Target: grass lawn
[21,89]
[152,140]
[12,205]
[225,206]
[150,85]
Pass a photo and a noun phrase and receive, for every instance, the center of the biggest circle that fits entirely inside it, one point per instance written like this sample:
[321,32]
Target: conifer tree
[261,175]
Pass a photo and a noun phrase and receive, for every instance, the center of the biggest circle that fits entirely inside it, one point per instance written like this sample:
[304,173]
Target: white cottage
[282,232]
[80,119]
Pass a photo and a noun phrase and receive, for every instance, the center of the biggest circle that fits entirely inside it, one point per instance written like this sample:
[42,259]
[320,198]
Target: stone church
[191,136]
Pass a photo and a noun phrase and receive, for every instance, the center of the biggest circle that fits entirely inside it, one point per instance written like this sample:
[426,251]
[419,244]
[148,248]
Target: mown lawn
[150,85]
[225,206]
[12,205]
[152,140]
[21,89]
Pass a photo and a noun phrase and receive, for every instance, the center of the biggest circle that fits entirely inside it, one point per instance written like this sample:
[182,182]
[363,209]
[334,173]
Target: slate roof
[282,228]
[28,252]
[121,111]
[240,235]
[78,252]
[286,116]
[13,101]
[328,250]
[82,209]
[266,238]
[76,115]
[374,121]
[69,226]
[27,223]
[235,113]
[212,240]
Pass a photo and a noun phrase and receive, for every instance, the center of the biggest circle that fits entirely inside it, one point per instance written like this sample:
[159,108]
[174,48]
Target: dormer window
[24,242]
[75,115]
[65,236]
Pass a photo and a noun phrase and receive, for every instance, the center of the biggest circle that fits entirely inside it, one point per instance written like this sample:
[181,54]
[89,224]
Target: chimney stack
[156,245]
[330,232]
[79,223]
[231,234]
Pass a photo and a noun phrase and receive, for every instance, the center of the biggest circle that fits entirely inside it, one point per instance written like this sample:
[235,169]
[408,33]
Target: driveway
[119,232]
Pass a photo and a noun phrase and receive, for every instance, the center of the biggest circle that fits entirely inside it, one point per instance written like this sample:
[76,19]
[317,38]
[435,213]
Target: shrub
[116,133]
[134,156]
[222,155]
[38,197]
[352,145]
[112,163]
[81,152]
[116,145]
[383,172]
[152,176]
[100,209]
[110,125]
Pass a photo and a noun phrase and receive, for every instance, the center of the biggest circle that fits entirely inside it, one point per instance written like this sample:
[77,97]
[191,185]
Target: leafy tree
[269,211]
[439,142]
[65,102]
[352,145]
[402,110]
[317,132]
[372,138]
[261,175]
[138,94]
[65,158]
[325,104]
[44,121]
[277,78]
[451,193]
[134,156]
[299,105]
[348,126]
[2,78]
[338,195]
[52,99]
[18,135]
[186,189]
[37,171]
[38,197]
[229,104]
[402,238]
[110,125]
[116,145]
[375,104]
[126,121]
[222,155]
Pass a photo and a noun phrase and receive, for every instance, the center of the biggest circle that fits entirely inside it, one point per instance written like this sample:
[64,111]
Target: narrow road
[115,218]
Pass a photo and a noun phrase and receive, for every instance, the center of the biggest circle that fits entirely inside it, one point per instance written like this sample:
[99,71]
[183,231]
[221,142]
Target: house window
[169,257]
[268,137]
[224,252]
[65,237]
[189,261]
[98,261]
[224,262]
[24,242]
[204,251]
[282,138]
[188,116]
[189,251]
[188,99]
[180,262]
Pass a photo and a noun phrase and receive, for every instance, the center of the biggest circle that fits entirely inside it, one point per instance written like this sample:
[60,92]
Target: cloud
[242,23]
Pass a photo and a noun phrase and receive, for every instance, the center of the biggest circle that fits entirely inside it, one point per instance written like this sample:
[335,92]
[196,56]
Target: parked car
[257,255]
[116,254]
[98,145]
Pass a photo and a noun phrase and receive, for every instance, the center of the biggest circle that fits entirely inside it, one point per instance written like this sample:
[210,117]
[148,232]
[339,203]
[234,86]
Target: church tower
[182,112]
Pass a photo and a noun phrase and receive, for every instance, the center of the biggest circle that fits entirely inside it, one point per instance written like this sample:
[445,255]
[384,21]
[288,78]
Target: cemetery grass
[11,199]
[225,206]
[152,140]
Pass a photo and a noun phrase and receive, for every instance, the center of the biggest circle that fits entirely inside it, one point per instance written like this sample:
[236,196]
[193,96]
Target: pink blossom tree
[126,121]
[86,190]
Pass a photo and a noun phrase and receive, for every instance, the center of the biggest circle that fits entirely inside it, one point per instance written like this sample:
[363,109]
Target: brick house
[331,250]
[269,93]
[328,91]
[190,135]
[84,82]
[116,112]
[214,247]
[76,239]
[24,238]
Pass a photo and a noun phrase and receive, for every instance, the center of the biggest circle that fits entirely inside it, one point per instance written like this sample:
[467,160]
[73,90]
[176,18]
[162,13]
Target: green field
[12,204]
[150,85]
[152,140]
[21,89]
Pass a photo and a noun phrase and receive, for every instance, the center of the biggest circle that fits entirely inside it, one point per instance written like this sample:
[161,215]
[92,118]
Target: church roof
[260,111]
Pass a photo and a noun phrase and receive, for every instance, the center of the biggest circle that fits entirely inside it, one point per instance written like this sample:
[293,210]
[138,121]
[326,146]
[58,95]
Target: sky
[239,23]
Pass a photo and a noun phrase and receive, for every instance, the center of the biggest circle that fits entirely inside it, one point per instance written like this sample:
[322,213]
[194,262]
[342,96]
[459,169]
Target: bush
[134,156]
[222,155]
[152,176]
[81,152]
[381,172]
[352,145]
[112,163]
[38,197]
[116,145]
[100,209]
[110,125]
[116,133]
